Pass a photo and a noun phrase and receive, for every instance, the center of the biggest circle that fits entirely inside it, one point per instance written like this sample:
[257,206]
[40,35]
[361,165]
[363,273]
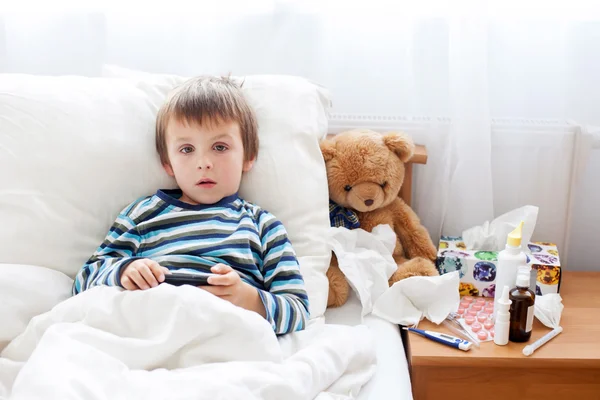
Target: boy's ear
[168,170]
[248,165]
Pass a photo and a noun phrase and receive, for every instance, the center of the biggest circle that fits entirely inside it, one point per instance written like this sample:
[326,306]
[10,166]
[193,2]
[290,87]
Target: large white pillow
[27,291]
[74,151]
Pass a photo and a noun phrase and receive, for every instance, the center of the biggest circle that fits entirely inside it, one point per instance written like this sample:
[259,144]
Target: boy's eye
[186,149]
[220,147]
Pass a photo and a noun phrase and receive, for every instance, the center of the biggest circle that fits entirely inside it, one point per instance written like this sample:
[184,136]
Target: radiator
[561,140]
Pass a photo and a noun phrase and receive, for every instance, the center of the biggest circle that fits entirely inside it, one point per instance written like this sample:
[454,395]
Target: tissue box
[477,268]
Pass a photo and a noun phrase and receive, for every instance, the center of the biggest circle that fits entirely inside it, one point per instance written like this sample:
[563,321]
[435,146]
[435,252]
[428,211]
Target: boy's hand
[142,274]
[229,286]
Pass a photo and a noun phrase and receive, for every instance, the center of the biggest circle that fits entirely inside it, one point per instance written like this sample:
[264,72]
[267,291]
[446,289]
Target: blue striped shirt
[193,238]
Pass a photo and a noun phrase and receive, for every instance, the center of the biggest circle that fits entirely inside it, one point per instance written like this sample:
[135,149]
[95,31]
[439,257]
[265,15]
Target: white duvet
[172,342]
[184,343]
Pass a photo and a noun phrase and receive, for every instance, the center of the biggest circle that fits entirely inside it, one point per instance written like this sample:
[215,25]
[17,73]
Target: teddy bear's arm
[414,237]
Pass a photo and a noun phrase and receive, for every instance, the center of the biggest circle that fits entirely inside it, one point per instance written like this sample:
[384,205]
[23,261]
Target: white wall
[584,249]
[375,62]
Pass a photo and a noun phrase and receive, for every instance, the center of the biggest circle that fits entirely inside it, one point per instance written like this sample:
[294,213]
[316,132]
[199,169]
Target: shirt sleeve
[116,252]
[284,298]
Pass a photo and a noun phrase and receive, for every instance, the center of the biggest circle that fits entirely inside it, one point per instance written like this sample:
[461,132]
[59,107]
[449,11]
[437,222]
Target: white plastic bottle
[502,325]
[509,261]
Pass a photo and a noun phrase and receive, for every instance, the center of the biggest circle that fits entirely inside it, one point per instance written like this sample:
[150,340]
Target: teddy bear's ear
[400,144]
[328,149]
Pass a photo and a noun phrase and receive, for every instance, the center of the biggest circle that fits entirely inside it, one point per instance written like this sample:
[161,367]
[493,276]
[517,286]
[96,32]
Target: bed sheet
[392,379]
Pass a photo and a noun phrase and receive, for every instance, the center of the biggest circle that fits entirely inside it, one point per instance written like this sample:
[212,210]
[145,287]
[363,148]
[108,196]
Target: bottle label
[529,319]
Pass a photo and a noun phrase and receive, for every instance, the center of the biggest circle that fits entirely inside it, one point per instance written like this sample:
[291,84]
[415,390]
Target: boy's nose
[204,164]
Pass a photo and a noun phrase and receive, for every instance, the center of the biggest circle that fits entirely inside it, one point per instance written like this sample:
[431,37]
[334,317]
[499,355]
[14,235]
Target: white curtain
[486,86]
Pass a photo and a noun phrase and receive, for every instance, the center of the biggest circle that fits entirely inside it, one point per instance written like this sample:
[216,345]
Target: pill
[477,307]
[482,335]
[476,327]
[489,310]
[469,319]
[472,312]
[468,298]
[465,304]
[488,324]
[481,301]
[491,331]
[460,310]
[482,317]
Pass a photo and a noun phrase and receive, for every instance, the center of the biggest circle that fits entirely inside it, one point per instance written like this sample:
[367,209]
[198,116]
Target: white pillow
[27,291]
[78,150]
[73,152]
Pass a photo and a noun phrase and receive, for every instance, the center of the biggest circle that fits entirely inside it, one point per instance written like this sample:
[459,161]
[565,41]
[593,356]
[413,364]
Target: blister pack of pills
[477,317]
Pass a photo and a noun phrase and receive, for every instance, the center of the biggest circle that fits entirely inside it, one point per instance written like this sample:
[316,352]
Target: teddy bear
[365,171]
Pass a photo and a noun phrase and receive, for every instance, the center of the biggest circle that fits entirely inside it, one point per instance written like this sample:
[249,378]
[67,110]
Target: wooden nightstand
[568,367]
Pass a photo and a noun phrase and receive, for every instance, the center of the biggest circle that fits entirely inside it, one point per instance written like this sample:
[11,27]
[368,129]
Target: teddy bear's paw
[337,298]
[423,247]
[414,267]
[338,287]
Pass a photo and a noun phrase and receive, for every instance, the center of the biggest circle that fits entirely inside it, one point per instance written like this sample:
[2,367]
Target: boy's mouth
[206,183]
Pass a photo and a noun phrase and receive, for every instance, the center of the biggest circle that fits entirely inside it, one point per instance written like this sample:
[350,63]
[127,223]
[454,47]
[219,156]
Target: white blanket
[177,343]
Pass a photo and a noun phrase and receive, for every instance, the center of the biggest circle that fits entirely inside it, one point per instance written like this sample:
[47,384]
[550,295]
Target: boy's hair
[208,99]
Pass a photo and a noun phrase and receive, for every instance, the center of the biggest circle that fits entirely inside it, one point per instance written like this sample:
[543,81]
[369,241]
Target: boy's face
[207,161]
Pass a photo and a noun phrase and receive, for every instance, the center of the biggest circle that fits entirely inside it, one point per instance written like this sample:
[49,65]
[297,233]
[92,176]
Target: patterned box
[477,268]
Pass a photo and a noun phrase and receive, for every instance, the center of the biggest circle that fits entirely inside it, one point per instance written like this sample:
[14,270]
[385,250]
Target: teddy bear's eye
[383,185]
[347,188]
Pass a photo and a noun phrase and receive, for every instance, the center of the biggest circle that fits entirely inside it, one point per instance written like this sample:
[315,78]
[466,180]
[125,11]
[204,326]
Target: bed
[392,375]
[59,203]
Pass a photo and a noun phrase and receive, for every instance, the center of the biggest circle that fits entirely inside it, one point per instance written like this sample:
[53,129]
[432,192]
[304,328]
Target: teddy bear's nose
[368,203]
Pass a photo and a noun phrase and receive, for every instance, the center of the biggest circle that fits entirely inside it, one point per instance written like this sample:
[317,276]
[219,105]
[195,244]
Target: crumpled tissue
[491,236]
[548,309]
[366,261]
[410,300]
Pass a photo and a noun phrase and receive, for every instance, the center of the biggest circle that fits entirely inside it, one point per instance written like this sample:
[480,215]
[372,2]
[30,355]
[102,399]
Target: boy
[206,137]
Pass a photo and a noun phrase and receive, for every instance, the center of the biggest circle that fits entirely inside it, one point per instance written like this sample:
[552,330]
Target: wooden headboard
[419,157]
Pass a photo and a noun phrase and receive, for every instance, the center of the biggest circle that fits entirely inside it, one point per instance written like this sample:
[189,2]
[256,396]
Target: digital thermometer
[442,338]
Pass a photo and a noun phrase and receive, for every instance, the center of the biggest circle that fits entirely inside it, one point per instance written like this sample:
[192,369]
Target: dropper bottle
[521,309]
[502,324]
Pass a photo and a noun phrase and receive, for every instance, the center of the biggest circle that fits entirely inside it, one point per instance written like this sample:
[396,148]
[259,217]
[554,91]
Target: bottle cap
[523,279]
[504,301]
[514,238]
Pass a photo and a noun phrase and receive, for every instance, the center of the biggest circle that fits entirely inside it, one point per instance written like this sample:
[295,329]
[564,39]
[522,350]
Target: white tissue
[410,300]
[492,235]
[365,259]
[548,309]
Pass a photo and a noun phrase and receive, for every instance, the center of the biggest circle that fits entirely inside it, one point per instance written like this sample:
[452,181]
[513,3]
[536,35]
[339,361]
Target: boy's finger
[223,280]
[217,290]
[137,278]
[221,269]
[127,283]
[148,275]
[157,271]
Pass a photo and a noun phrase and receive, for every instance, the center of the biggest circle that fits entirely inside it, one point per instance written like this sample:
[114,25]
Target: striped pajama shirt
[193,238]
